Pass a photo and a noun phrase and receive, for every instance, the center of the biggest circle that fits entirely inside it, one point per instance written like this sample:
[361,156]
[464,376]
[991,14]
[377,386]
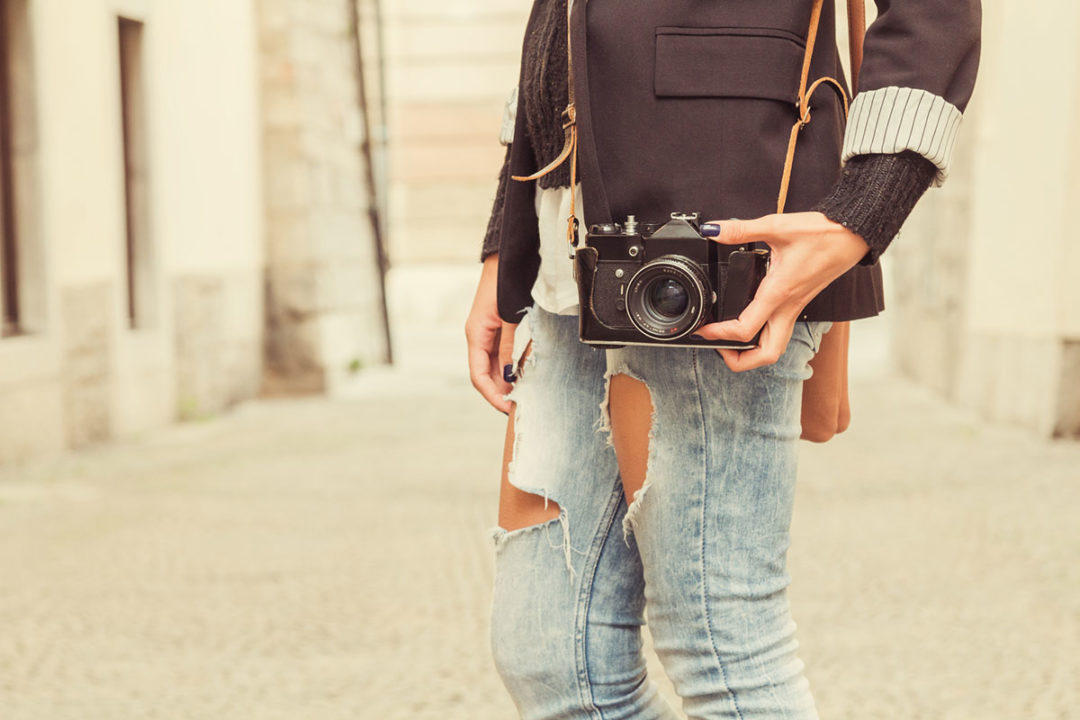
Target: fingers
[483,330]
[485,372]
[506,353]
[482,335]
[740,232]
[752,319]
[774,342]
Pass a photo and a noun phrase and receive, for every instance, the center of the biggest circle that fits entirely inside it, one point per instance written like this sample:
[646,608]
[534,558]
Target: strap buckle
[569,115]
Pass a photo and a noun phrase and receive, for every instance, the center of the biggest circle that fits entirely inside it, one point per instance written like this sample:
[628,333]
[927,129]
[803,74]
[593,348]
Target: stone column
[324,302]
[987,295]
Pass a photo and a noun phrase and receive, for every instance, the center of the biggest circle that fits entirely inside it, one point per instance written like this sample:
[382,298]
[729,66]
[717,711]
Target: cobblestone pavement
[330,559]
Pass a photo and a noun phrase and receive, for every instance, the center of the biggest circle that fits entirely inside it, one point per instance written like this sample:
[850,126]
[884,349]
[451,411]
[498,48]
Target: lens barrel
[666,298]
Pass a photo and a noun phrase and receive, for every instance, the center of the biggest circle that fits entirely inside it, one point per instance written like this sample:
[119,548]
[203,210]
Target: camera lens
[666,298]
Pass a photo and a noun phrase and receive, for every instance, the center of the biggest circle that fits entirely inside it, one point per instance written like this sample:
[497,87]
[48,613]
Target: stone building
[325,304]
[184,212]
[185,209]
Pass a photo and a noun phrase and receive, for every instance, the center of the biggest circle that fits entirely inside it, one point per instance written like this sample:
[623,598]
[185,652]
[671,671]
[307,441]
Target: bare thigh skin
[517,508]
[630,406]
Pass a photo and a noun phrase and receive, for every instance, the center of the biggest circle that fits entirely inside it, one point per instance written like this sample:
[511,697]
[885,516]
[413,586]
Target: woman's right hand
[490,340]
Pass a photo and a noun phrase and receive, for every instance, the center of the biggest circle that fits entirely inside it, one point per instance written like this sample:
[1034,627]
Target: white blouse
[555,289]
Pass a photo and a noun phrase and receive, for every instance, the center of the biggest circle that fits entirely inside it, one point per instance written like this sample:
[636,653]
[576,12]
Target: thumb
[506,352]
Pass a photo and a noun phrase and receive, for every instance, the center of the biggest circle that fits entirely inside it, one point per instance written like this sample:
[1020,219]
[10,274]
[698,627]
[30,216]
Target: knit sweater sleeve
[494,227]
[875,194]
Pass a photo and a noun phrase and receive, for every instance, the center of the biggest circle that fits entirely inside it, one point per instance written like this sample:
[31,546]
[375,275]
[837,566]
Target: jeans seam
[704,508]
[810,334]
[581,636]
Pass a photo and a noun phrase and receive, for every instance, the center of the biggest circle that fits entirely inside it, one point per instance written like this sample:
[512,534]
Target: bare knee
[518,508]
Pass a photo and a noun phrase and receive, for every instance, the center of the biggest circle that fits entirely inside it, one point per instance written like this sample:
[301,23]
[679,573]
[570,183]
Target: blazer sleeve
[506,137]
[494,227]
[919,66]
[519,232]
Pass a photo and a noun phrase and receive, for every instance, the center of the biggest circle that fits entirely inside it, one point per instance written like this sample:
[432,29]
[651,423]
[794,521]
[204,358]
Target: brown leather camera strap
[856,32]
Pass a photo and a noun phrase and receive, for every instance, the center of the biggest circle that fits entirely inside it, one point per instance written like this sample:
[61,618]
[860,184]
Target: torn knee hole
[520,505]
[632,419]
[633,510]
[527,510]
[530,522]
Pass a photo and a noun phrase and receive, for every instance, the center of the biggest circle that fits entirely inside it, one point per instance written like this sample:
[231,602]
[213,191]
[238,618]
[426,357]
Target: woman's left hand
[809,251]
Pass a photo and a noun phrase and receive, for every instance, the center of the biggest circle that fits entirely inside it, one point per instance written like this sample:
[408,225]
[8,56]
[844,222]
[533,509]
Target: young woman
[660,479]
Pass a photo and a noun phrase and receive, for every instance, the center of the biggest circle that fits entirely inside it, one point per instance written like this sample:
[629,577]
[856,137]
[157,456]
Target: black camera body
[655,284]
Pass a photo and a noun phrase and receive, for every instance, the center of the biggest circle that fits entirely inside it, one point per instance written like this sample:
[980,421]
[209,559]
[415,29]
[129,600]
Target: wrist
[489,281]
[853,245]
[875,194]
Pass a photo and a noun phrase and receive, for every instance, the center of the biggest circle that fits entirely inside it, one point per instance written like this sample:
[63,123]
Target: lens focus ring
[666,298]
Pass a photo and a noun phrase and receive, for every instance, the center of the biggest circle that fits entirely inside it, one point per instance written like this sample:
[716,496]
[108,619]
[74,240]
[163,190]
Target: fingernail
[710,230]
[508,374]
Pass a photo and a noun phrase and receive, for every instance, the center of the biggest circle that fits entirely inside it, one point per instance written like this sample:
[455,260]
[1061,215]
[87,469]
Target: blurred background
[242,473]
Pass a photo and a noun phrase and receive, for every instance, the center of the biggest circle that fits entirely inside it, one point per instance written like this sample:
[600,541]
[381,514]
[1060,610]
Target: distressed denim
[702,547]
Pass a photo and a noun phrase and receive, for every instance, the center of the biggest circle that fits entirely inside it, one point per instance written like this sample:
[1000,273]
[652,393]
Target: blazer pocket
[761,63]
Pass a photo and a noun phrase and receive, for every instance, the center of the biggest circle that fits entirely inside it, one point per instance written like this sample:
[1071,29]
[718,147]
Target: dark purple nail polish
[508,374]
[710,230]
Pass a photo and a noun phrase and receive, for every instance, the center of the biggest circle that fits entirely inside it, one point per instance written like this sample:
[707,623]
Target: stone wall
[81,372]
[87,370]
[988,303]
[217,364]
[324,302]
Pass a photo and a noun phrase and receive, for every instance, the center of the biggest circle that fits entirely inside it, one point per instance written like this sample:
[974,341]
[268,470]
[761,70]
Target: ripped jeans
[702,546]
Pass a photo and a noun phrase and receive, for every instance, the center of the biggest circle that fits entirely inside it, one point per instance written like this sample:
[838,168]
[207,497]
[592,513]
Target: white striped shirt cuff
[895,119]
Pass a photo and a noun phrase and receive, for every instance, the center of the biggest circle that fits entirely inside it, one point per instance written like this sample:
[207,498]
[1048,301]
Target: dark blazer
[686,105]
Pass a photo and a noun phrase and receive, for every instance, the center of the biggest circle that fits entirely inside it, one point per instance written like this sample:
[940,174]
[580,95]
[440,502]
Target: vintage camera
[653,284]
